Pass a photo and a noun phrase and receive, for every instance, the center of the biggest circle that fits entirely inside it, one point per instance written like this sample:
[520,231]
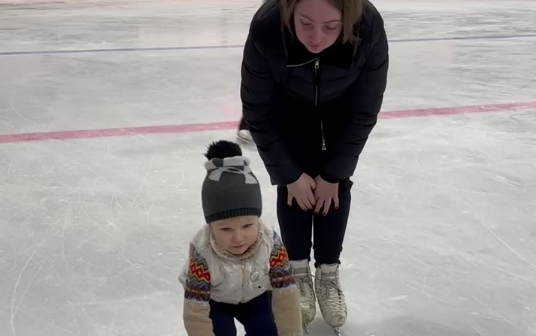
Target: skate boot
[304,281]
[244,135]
[330,296]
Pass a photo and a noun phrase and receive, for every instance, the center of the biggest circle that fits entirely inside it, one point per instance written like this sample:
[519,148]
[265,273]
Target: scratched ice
[94,225]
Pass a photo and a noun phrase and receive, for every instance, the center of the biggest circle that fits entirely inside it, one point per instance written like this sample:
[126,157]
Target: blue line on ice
[237,46]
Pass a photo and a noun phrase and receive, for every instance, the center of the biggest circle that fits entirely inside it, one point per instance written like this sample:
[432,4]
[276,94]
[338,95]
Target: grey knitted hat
[230,188]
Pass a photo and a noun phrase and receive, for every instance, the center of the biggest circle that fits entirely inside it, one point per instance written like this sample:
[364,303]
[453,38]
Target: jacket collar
[339,54]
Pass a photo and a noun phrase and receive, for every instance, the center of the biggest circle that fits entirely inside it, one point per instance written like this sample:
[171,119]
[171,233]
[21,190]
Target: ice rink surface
[94,223]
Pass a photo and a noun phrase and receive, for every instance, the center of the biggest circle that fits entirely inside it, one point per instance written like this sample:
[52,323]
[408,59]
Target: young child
[237,267]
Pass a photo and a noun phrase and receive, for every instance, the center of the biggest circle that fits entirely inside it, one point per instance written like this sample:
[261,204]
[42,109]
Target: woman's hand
[325,193]
[302,191]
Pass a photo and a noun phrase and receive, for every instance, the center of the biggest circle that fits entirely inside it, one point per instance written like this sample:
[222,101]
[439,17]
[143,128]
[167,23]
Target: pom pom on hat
[222,149]
[230,188]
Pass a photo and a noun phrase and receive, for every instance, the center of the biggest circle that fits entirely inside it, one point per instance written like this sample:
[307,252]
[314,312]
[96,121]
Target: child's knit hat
[230,188]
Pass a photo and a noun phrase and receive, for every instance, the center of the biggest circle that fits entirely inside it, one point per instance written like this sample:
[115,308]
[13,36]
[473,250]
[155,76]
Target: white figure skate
[304,281]
[244,135]
[330,296]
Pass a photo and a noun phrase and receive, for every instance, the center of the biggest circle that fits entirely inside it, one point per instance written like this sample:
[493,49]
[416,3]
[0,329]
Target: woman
[313,77]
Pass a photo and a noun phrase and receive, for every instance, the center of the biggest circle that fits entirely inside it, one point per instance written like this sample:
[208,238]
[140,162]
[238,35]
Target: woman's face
[317,23]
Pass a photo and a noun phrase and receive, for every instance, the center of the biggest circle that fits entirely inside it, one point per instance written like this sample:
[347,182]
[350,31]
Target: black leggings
[297,225]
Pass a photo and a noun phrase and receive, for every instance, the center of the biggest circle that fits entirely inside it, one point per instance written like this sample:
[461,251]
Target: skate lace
[331,290]
[304,280]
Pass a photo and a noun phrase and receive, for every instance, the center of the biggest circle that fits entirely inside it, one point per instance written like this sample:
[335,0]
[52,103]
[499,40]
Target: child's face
[236,235]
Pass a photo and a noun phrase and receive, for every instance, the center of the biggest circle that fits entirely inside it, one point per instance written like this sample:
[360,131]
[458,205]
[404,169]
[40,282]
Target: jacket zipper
[243,265]
[317,67]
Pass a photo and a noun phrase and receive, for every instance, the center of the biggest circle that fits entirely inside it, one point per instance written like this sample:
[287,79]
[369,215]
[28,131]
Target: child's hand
[325,193]
[302,191]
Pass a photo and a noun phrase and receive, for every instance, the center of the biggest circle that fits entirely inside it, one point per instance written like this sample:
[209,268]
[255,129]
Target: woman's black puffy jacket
[308,112]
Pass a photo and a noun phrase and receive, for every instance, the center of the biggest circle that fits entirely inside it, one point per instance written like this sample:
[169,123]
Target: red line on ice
[216,126]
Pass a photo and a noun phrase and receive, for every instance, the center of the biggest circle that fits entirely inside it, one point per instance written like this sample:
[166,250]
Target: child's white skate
[304,281]
[330,296]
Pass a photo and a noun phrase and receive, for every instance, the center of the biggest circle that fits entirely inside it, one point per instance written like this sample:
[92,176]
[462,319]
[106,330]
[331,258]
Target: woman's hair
[351,14]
